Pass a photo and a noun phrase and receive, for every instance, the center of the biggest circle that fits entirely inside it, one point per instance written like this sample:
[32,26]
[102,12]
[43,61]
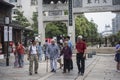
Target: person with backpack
[33,58]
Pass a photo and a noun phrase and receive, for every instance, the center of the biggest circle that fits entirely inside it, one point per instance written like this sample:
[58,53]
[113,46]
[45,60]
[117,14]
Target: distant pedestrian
[117,56]
[59,58]
[21,51]
[33,58]
[15,54]
[71,47]
[45,47]
[67,55]
[40,52]
[53,53]
[80,57]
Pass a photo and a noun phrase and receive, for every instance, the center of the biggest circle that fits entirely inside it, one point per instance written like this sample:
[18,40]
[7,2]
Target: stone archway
[85,6]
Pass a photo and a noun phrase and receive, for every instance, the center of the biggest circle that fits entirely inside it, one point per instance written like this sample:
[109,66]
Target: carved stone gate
[53,10]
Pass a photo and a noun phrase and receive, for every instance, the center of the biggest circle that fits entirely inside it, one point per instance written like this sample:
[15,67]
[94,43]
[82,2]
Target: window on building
[12,0]
[14,11]
[34,2]
[89,1]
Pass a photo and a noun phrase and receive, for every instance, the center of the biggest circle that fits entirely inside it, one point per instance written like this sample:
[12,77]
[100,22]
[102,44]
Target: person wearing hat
[52,53]
[33,58]
[80,56]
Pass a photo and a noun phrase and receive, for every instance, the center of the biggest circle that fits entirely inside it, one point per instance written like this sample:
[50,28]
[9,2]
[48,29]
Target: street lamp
[7,22]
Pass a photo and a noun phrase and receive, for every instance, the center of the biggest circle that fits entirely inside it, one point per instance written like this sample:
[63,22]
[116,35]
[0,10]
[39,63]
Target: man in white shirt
[33,58]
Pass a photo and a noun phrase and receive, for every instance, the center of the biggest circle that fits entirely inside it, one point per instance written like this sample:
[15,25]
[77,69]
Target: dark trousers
[66,64]
[80,62]
[71,64]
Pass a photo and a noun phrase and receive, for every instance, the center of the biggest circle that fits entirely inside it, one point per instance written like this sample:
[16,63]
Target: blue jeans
[40,57]
[21,60]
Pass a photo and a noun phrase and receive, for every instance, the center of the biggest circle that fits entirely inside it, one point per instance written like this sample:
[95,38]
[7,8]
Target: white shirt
[33,49]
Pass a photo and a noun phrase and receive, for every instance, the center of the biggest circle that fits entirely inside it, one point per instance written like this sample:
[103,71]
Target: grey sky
[101,19]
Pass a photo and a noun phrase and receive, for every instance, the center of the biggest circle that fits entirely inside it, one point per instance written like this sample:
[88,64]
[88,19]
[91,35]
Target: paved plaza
[99,67]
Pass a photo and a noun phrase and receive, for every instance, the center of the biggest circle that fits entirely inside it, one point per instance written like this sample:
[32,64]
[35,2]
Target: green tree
[21,19]
[86,28]
[81,26]
[55,29]
[35,22]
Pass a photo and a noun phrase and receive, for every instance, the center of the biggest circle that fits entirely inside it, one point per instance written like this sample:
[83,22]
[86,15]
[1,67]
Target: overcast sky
[101,19]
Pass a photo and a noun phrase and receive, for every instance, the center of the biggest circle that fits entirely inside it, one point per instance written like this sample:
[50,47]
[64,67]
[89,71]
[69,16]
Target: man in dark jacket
[67,55]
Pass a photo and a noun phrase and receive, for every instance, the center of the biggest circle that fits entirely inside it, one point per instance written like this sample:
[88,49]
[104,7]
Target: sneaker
[36,72]
[118,70]
[20,67]
[30,73]
[78,72]
[52,70]
[82,74]
[63,72]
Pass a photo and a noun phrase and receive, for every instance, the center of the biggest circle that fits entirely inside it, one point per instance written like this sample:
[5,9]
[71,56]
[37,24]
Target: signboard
[5,33]
[10,33]
[91,3]
[55,13]
[70,7]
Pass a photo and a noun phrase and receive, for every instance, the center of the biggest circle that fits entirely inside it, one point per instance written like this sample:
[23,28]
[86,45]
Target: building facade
[116,23]
[25,6]
[10,31]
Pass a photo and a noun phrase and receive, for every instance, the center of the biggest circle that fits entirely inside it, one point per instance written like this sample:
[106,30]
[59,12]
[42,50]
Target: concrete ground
[100,67]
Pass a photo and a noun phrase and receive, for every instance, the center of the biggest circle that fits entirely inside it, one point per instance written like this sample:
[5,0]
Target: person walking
[71,47]
[117,56]
[40,51]
[20,51]
[15,54]
[80,57]
[60,45]
[33,58]
[53,53]
[66,51]
[45,47]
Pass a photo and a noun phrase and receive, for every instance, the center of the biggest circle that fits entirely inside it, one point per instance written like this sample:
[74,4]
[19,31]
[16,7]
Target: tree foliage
[55,29]
[21,19]
[85,28]
[35,22]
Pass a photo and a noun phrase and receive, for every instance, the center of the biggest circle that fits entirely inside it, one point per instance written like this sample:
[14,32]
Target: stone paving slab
[73,74]
[105,69]
[102,67]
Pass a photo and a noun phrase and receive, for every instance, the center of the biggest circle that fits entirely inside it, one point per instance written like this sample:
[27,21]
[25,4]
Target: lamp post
[7,21]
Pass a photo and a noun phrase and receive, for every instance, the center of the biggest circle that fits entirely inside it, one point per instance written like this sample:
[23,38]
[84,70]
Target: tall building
[116,23]
[28,7]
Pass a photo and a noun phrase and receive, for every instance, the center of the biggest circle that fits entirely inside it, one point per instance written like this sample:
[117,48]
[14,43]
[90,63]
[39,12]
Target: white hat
[80,37]
[52,39]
